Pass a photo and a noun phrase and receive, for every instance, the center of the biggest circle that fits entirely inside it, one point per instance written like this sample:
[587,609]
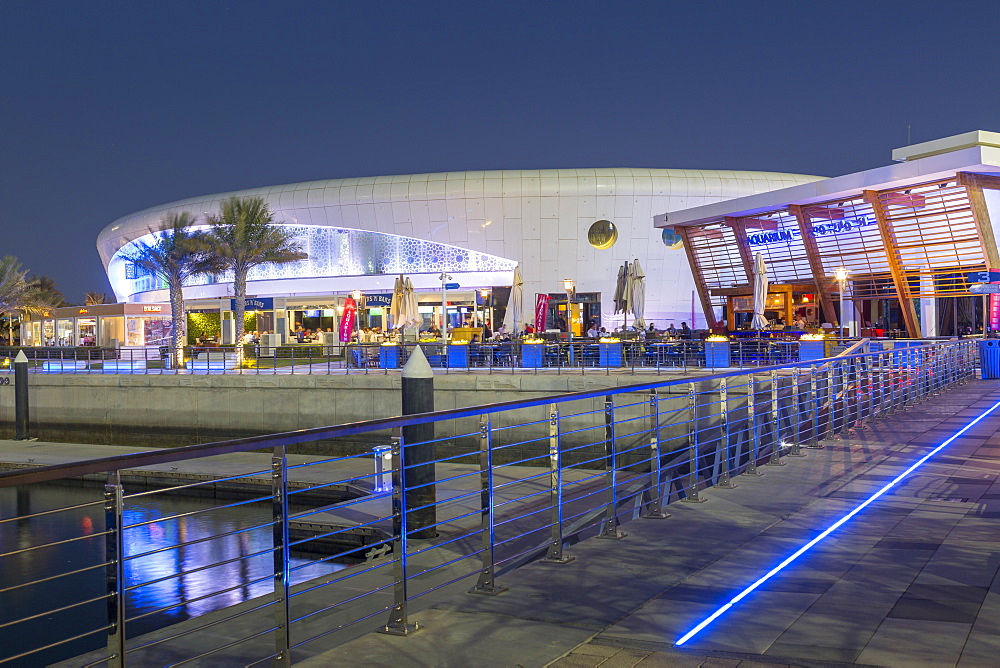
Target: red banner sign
[994,312]
[541,312]
[347,320]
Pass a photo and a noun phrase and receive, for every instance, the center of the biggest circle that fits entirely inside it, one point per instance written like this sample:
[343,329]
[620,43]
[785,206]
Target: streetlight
[357,314]
[841,275]
[569,285]
[484,293]
[444,304]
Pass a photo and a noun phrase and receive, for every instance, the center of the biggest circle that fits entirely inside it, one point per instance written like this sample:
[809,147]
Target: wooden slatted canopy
[913,242]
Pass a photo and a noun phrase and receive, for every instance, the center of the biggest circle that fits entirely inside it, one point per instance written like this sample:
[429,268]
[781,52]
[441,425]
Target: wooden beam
[981,214]
[984,180]
[895,264]
[815,263]
[699,278]
[743,244]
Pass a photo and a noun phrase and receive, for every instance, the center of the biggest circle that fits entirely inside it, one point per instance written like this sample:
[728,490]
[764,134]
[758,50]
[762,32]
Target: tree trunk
[178,334]
[240,293]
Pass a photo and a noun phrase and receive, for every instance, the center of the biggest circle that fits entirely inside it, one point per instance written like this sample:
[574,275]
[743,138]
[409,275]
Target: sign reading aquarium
[833,227]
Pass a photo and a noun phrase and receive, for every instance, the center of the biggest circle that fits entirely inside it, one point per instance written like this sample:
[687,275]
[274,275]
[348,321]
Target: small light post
[357,314]
[841,275]
[485,294]
[569,285]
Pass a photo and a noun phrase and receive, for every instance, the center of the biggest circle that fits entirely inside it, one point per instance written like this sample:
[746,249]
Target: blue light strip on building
[833,527]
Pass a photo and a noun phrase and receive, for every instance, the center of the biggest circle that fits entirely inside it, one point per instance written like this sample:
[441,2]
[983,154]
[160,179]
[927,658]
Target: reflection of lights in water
[162,559]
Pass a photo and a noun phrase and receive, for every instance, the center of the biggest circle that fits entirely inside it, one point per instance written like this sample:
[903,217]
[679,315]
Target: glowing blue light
[833,527]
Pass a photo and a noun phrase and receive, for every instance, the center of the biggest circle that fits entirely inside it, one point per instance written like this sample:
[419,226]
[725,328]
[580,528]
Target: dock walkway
[910,581]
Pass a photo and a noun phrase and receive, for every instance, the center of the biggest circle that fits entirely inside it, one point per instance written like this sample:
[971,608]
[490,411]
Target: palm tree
[176,254]
[243,236]
[15,291]
[46,293]
[96,299]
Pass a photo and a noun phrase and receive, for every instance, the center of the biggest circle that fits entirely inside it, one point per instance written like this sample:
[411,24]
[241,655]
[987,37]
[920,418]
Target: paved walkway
[910,581]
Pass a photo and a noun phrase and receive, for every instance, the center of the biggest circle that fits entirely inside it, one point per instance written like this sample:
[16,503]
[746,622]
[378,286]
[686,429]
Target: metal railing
[582,356]
[512,482]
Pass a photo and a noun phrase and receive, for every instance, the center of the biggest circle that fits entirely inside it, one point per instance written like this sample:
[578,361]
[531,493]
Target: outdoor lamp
[841,275]
[357,295]
[569,285]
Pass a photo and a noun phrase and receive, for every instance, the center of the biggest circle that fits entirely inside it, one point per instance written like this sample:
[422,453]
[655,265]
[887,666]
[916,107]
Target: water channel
[157,600]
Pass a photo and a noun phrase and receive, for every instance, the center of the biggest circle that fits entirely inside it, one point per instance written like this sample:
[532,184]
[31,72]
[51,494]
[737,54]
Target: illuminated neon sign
[823,229]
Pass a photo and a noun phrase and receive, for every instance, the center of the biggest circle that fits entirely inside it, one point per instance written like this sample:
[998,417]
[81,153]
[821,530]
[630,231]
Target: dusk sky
[111,107]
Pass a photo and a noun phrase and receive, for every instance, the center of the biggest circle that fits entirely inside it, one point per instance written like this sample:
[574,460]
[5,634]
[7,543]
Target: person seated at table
[685,331]
[474,339]
[528,329]
[799,323]
[299,333]
[671,331]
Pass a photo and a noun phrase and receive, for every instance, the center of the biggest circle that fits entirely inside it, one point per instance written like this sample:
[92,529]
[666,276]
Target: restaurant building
[103,325]
[907,235]
[471,228]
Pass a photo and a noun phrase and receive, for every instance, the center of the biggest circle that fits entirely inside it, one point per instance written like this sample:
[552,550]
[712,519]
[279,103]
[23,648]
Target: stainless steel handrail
[503,495]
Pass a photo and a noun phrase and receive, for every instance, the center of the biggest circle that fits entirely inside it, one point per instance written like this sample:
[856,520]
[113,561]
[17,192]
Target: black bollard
[21,397]
[418,397]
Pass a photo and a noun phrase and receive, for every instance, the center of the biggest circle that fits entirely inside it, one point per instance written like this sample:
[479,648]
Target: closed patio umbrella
[760,286]
[620,288]
[513,319]
[637,291]
[396,307]
[409,316]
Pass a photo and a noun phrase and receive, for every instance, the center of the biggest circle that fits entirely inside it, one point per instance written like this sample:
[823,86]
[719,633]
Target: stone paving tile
[980,650]
[903,643]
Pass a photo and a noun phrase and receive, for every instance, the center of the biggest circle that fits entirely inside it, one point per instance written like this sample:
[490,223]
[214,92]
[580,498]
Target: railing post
[752,425]
[725,479]
[692,495]
[487,576]
[655,509]
[279,534]
[610,523]
[114,560]
[555,553]
[842,400]
[398,623]
[816,404]
[775,458]
[796,414]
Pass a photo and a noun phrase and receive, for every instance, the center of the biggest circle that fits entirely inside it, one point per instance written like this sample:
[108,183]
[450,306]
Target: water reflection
[227,561]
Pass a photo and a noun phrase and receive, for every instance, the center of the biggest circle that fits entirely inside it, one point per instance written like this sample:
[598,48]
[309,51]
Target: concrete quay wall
[200,408]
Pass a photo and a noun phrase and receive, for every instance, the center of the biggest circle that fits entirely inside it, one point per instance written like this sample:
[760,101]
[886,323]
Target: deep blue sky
[110,107]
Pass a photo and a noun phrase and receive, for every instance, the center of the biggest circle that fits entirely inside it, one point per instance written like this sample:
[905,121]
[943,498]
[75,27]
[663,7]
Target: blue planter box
[717,354]
[388,357]
[811,350]
[458,356]
[611,354]
[532,355]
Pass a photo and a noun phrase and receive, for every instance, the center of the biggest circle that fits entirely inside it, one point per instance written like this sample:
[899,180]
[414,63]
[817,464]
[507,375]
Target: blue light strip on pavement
[833,527]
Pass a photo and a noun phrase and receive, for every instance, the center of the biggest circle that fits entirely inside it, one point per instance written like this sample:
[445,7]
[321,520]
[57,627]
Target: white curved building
[360,233]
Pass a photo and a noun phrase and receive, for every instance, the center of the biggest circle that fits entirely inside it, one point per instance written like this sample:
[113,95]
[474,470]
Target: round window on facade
[602,234]
[671,239]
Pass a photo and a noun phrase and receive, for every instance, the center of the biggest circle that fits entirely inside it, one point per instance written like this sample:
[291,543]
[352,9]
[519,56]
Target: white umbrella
[396,307]
[637,290]
[410,315]
[513,319]
[760,286]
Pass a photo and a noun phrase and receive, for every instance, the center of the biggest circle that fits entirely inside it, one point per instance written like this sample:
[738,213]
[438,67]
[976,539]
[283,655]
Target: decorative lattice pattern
[343,252]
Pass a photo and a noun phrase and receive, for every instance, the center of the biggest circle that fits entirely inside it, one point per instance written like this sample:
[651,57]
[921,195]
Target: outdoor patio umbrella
[637,289]
[396,307]
[409,316]
[513,319]
[760,285]
[620,288]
